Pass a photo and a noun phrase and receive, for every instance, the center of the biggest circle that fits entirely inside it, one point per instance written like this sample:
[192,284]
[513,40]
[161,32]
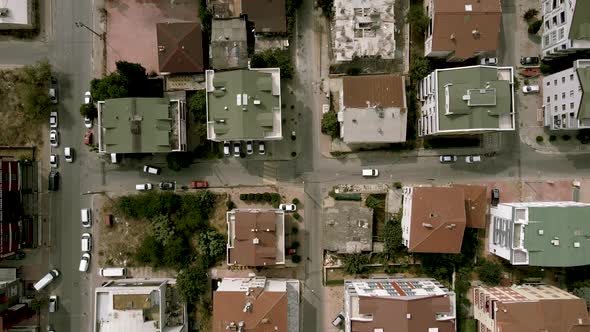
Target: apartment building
[566,26]
[566,98]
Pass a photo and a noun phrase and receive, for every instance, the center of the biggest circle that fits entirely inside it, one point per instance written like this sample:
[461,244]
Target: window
[571,105]
[571,77]
[571,93]
[555,81]
[554,97]
[548,99]
[563,95]
[554,4]
[563,79]
[554,20]
[563,107]
[555,108]
[562,17]
[548,83]
[561,33]
[546,40]
[547,26]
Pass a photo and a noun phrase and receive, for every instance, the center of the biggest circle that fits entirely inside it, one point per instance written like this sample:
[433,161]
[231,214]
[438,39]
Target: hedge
[348,197]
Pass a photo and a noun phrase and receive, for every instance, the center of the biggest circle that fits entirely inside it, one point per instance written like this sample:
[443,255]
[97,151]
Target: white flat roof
[18,12]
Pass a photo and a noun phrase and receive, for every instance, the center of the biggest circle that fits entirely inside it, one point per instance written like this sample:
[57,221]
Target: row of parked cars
[237,148]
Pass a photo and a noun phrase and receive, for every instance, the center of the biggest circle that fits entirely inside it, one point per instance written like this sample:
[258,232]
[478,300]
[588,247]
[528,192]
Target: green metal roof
[137,125]
[580,28]
[476,98]
[569,225]
[232,118]
[584,76]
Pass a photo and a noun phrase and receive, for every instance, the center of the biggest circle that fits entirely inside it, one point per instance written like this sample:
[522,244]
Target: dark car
[166,185]
[529,60]
[53,181]
[495,196]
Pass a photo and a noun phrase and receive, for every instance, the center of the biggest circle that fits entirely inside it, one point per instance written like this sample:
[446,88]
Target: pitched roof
[466,27]
[255,238]
[267,15]
[391,314]
[374,90]
[580,27]
[438,220]
[180,47]
[476,205]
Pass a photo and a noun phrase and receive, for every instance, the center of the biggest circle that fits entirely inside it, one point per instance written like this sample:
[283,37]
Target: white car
[87,97]
[53,160]
[472,159]
[87,122]
[84,262]
[86,242]
[53,120]
[249,147]
[54,138]
[226,146]
[447,159]
[288,207]
[530,89]
[53,303]
[69,154]
[143,186]
[489,61]
[152,169]
[370,172]
[237,149]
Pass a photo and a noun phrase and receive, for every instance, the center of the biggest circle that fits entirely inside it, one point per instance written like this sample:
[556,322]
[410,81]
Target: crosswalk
[269,172]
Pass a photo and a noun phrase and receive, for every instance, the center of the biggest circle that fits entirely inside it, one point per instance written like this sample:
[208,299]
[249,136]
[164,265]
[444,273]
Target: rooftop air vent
[255,240]
[161,48]
[541,232]
[468,8]
[426,225]
[576,244]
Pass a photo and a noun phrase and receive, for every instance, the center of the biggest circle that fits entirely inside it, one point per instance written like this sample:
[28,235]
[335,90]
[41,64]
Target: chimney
[255,240]
[475,33]
[247,307]
[426,225]
[452,36]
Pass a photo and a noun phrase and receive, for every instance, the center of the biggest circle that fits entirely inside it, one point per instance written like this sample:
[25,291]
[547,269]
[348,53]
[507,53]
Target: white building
[16,14]
[139,305]
[565,104]
[566,26]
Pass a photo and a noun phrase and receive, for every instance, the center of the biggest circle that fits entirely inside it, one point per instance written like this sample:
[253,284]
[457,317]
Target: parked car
[529,60]
[53,183]
[226,146]
[370,172]
[17,256]
[88,137]
[53,303]
[261,148]
[288,207]
[293,135]
[237,149]
[152,169]
[249,147]
[84,262]
[53,160]
[86,242]
[53,90]
[87,97]
[166,185]
[143,186]
[86,218]
[338,320]
[54,138]
[530,89]
[87,122]
[199,184]
[495,196]
[473,159]
[46,280]
[447,159]
[489,61]
[53,120]
[69,154]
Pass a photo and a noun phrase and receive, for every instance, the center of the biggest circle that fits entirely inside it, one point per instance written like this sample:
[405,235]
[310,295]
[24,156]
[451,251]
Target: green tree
[37,74]
[197,106]
[111,86]
[490,272]
[327,7]
[392,236]
[212,246]
[176,252]
[535,27]
[374,202]
[135,75]
[583,293]
[530,14]
[273,58]
[419,68]
[179,160]
[35,100]
[88,110]
[330,125]
[355,263]
[417,19]
[150,251]
[162,229]
[192,283]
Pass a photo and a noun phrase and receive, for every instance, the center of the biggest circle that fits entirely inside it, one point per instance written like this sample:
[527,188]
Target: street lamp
[82,25]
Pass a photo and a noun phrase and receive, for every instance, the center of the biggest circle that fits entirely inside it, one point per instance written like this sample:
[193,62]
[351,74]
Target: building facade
[565,27]
[566,98]
[466,100]
[11,212]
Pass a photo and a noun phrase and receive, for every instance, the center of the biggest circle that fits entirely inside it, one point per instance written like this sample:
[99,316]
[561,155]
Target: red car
[199,184]
[88,137]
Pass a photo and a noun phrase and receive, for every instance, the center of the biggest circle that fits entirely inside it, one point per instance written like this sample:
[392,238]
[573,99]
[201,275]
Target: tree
[535,27]
[129,80]
[417,19]
[35,100]
[88,110]
[178,160]
[583,293]
[192,283]
[162,229]
[490,272]
[135,75]
[38,74]
[111,86]
[212,246]
[374,202]
[355,263]
[330,125]
[327,7]
[197,105]
[392,236]
[530,14]
[273,58]
[175,252]
[419,68]
[150,251]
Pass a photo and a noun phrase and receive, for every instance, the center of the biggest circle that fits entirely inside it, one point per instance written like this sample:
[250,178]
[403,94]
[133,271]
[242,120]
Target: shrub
[294,230]
[178,160]
[417,19]
[295,259]
[230,205]
[273,58]
[530,14]
[353,71]
[539,139]
[534,27]
[419,68]
[327,7]
[490,273]
[552,138]
[397,185]
[258,197]
[295,201]
[330,125]
[374,202]
[545,69]
[88,110]
[295,244]
[584,136]
[243,197]
[355,263]
[251,197]
[296,216]
[566,137]
[348,197]
[266,197]
[293,154]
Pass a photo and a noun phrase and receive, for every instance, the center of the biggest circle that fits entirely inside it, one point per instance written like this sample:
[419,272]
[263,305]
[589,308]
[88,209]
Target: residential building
[398,305]
[373,109]
[566,27]
[363,28]
[348,227]
[566,97]
[11,211]
[13,305]
[139,305]
[268,16]
[255,237]
[16,14]
[229,43]
[433,219]
[476,205]
[244,105]
[466,100]
[256,304]
[528,308]
[180,48]
[141,125]
[552,234]
[462,29]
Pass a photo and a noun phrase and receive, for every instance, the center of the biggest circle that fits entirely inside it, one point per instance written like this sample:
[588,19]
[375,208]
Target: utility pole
[82,25]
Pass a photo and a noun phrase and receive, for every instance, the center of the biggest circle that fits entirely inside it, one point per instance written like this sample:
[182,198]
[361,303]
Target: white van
[86,217]
[46,280]
[143,186]
[69,154]
[370,172]
[84,262]
[112,272]
[113,158]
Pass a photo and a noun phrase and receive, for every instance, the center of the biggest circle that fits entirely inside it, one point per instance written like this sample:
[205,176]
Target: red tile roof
[180,48]
[255,242]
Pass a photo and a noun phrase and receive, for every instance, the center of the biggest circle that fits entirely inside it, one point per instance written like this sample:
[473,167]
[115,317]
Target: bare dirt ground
[17,129]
